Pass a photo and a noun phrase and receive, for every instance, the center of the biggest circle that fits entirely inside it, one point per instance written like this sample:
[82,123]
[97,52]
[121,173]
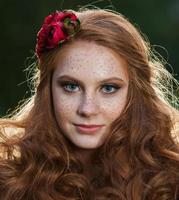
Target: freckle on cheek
[113,107]
[65,104]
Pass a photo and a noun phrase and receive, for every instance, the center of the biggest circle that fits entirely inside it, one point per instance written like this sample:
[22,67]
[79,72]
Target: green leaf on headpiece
[66,22]
[71,26]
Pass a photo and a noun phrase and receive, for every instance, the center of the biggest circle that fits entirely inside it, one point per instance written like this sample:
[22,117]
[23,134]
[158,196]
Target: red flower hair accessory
[57,28]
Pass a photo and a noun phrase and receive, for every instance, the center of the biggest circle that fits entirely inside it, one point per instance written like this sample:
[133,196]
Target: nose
[88,106]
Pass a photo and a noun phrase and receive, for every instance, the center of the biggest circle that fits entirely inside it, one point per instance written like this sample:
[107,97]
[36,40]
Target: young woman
[101,123]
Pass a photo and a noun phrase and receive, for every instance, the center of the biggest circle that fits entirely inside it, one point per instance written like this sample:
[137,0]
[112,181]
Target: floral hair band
[57,28]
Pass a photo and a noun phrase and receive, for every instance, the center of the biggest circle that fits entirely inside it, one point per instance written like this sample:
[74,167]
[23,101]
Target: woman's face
[89,87]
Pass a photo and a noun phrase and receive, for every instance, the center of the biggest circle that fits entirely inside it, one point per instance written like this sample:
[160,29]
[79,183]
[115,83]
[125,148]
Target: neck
[86,158]
[84,155]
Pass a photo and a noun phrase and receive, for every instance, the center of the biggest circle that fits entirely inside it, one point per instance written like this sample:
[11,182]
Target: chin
[87,145]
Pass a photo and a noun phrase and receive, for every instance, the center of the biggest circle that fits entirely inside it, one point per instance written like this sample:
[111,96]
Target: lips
[88,129]
[88,126]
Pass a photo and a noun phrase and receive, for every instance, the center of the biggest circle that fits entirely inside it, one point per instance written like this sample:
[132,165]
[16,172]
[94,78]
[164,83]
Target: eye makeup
[72,87]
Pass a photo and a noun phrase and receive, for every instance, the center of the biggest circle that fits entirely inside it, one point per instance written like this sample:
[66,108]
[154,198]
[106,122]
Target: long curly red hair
[140,158]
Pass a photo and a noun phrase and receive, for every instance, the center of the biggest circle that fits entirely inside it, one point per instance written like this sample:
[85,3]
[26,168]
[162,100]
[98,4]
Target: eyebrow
[102,81]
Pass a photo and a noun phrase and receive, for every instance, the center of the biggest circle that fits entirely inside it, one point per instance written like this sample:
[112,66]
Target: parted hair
[140,158]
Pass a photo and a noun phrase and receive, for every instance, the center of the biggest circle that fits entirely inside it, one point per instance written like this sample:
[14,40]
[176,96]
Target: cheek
[63,105]
[113,107]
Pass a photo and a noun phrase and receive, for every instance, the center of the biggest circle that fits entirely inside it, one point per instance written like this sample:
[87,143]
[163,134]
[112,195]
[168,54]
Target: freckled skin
[89,63]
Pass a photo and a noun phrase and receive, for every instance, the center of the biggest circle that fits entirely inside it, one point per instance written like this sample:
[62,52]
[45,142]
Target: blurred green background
[20,21]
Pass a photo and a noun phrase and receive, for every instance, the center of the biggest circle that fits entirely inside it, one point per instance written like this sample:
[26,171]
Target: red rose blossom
[57,28]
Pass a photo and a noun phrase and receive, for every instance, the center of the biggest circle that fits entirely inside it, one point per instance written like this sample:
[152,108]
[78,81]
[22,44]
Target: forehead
[88,58]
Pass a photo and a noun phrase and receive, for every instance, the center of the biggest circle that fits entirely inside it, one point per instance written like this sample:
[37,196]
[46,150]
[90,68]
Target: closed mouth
[88,129]
[89,126]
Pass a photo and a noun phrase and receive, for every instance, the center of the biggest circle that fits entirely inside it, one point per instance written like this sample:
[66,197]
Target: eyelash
[64,85]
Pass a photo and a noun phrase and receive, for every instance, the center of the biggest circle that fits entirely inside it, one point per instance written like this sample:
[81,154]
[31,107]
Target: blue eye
[73,87]
[70,87]
[110,89]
